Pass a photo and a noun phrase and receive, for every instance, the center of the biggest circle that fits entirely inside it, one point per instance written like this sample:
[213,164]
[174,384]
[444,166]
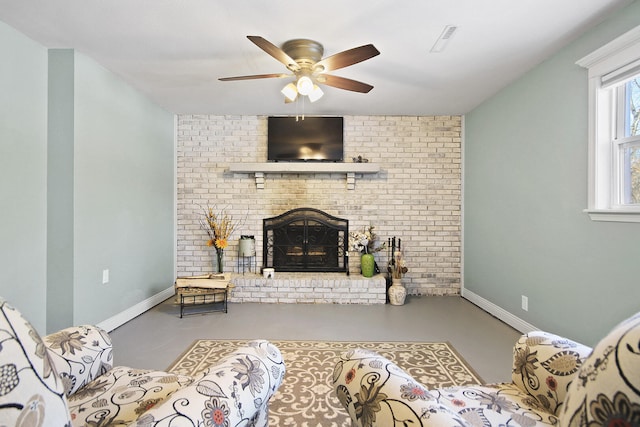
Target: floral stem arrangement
[219,226]
[397,264]
[365,242]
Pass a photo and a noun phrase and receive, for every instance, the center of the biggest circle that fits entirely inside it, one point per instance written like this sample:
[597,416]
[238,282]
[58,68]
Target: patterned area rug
[306,397]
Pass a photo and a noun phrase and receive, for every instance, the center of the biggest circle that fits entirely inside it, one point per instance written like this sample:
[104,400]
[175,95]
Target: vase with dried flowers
[366,242]
[397,268]
[219,226]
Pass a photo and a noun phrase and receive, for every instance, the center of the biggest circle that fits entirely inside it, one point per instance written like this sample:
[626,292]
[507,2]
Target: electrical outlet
[105,276]
[525,303]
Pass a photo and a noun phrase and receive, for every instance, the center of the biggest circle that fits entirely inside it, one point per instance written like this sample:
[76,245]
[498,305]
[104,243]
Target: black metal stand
[247,254]
[204,297]
[248,263]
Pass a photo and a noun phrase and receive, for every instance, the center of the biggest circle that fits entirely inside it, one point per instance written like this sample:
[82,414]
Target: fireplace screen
[306,240]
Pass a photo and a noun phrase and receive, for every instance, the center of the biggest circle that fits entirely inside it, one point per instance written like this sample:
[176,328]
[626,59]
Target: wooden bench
[208,289]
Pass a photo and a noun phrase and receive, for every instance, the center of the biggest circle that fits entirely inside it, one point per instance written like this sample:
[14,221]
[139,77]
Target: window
[626,143]
[614,129]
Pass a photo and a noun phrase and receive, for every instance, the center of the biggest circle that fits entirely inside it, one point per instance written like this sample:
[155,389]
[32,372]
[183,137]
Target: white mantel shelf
[260,169]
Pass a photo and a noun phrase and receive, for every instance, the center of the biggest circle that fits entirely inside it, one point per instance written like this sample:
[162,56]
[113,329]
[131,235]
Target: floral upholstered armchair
[555,381]
[67,379]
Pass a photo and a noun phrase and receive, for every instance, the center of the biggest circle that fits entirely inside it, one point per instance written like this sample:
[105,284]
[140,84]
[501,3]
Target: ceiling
[174,51]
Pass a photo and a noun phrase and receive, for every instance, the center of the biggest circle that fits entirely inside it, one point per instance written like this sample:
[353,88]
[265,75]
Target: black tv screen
[311,139]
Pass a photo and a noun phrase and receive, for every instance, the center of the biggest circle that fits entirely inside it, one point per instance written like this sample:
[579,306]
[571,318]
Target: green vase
[367,265]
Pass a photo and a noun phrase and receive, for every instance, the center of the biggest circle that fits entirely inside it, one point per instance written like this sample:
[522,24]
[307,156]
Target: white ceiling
[174,51]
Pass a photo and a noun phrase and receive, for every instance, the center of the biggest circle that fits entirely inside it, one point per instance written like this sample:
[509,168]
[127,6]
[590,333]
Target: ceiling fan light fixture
[315,94]
[305,85]
[303,58]
[290,91]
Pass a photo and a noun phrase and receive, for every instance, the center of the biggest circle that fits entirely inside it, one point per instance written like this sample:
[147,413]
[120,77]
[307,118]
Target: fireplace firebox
[306,240]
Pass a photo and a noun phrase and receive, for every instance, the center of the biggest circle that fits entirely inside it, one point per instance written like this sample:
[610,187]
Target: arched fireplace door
[306,240]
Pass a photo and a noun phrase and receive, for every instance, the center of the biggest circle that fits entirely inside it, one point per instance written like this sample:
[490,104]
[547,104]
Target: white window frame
[614,58]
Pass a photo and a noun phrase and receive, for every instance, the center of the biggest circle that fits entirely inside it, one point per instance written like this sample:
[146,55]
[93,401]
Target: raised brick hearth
[325,288]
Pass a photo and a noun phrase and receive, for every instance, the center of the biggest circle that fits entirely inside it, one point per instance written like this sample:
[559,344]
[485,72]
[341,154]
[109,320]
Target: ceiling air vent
[444,38]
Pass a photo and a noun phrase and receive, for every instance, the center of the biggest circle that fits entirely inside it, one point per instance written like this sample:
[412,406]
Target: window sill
[610,215]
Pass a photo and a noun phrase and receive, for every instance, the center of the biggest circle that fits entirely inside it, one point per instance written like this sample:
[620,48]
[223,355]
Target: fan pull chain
[298,115]
[303,107]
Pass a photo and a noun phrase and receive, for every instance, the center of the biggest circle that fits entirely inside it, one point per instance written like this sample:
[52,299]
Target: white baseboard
[508,318]
[132,312]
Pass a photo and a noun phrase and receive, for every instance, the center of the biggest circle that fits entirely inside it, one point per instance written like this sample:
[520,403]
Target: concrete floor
[156,338]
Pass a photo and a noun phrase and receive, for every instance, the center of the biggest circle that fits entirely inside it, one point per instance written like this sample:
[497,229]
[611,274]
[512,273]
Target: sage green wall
[106,201]
[525,189]
[23,173]
[123,195]
[60,190]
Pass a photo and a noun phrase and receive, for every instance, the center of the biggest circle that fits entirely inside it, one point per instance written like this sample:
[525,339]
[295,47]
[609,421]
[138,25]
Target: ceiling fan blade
[344,83]
[256,76]
[275,51]
[346,58]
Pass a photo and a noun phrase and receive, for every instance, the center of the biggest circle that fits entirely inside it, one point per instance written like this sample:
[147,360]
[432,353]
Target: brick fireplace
[415,192]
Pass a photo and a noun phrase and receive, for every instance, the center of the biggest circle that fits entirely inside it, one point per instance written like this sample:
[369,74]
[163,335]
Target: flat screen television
[317,139]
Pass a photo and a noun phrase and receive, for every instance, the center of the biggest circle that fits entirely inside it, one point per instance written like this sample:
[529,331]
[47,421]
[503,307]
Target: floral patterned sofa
[555,381]
[67,379]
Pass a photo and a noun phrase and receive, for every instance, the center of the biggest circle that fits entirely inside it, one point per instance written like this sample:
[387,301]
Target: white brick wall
[416,196]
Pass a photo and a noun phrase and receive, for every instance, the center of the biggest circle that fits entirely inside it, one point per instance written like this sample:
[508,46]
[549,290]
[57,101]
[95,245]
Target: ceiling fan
[303,58]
